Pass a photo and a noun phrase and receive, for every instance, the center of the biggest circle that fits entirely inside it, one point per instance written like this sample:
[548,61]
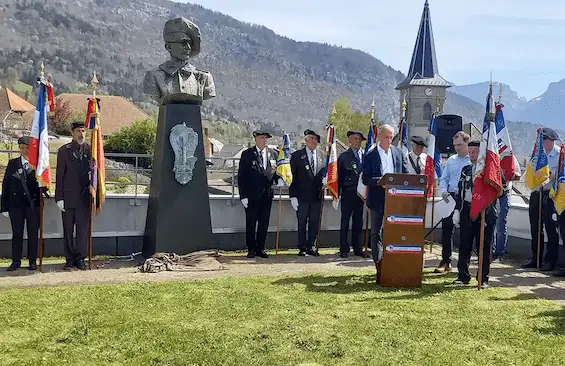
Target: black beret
[262,133]
[476,143]
[549,133]
[24,140]
[419,140]
[76,125]
[356,132]
[309,132]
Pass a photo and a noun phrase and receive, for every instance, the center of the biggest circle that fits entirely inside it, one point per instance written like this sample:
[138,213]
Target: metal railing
[222,174]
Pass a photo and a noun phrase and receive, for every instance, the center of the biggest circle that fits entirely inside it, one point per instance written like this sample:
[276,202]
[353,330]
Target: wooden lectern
[404,229]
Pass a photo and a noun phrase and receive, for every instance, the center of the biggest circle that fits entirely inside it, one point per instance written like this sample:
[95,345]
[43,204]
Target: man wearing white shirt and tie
[255,178]
[417,157]
[20,202]
[308,168]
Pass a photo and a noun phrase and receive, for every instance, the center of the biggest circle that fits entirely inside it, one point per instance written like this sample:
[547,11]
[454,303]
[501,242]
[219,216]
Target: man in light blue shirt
[449,186]
[548,213]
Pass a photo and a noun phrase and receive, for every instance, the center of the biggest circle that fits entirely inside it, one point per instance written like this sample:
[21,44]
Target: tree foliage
[138,138]
[60,121]
[345,118]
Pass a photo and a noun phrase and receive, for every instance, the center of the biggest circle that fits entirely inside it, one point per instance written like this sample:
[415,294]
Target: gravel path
[528,283]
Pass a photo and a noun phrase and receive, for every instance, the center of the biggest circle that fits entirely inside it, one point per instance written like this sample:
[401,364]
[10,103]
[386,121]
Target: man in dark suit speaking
[383,159]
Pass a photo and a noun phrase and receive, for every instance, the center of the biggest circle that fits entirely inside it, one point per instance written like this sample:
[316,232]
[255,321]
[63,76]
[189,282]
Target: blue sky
[520,41]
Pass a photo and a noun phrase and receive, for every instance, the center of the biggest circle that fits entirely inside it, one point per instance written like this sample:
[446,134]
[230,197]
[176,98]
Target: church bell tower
[424,88]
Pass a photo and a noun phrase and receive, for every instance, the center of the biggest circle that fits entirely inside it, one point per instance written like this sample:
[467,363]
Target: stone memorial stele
[178,213]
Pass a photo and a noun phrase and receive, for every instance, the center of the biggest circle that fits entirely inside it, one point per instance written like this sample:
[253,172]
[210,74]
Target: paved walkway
[528,283]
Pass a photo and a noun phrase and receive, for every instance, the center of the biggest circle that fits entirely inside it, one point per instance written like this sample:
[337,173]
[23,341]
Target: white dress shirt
[387,163]
[25,163]
[263,154]
[414,157]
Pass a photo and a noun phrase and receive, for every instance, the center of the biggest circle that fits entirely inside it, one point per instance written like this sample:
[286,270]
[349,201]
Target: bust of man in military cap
[177,81]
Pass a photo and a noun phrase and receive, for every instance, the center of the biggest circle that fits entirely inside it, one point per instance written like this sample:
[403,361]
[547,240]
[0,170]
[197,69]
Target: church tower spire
[424,88]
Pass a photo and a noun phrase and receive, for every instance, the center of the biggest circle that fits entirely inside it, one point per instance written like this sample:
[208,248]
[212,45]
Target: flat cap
[309,132]
[549,133]
[262,133]
[183,25]
[419,140]
[356,132]
[24,140]
[476,143]
[76,125]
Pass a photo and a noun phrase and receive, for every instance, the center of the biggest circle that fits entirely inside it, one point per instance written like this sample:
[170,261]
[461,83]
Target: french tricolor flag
[39,139]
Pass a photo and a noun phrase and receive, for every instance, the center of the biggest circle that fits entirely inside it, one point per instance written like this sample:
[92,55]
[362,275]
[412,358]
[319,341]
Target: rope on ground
[198,261]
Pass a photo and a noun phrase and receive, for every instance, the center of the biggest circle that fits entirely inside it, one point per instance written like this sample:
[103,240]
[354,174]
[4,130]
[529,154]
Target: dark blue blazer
[372,173]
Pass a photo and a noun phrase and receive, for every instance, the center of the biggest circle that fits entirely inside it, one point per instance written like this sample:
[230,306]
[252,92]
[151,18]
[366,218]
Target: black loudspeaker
[447,126]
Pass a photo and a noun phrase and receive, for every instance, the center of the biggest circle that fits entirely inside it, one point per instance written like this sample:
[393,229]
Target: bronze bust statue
[177,80]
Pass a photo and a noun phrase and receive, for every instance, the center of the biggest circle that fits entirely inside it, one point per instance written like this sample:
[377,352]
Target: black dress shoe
[530,264]
[359,254]
[68,266]
[32,266]
[343,255]
[262,254]
[313,253]
[560,273]
[251,254]
[13,267]
[302,253]
[547,267]
[81,265]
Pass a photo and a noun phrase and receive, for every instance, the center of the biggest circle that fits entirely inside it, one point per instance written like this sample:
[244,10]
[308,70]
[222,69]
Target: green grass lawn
[327,319]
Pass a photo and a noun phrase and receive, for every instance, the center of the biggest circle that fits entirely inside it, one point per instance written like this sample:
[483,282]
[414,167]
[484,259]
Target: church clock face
[428,92]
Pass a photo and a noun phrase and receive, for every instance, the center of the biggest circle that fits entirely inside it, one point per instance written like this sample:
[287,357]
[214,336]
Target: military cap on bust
[262,133]
[183,25]
[356,132]
[76,125]
[24,140]
[476,143]
[549,133]
[309,132]
[419,140]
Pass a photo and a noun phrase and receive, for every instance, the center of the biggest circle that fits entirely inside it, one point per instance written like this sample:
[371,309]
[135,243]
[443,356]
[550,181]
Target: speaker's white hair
[386,127]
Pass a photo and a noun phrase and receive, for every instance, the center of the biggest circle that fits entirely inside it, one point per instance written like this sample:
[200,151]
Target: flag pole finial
[438,104]
[500,94]
[404,104]
[42,70]
[94,83]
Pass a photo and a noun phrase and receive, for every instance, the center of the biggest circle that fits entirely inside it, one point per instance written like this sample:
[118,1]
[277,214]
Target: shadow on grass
[350,283]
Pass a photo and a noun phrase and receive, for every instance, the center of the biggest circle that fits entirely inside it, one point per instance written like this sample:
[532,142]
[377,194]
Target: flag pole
[481,249]
[540,228]
[94,84]
[438,105]
[367,215]
[41,75]
[278,222]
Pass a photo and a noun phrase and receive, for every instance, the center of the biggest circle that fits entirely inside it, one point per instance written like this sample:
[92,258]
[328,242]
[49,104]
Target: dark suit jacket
[348,170]
[372,173]
[73,175]
[466,181]
[252,179]
[13,192]
[306,184]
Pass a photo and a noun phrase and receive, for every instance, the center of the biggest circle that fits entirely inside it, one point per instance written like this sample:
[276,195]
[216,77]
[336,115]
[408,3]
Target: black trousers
[548,209]
[76,217]
[308,216]
[447,227]
[19,216]
[471,232]
[257,215]
[376,234]
[351,208]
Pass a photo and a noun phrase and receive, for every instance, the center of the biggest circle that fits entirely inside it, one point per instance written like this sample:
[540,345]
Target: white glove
[456,218]
[335,204]
[445,195]
[245,202]
[61,205]
[6,215]
[281,183]
[325,181]
[294,203]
